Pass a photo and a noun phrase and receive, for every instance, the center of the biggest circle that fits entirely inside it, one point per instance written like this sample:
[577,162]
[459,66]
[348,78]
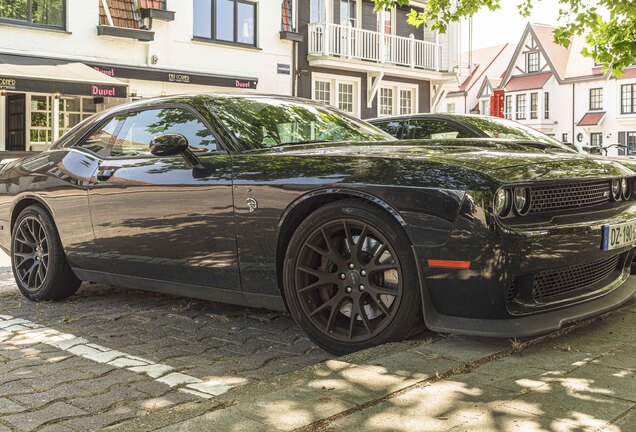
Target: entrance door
[16,124]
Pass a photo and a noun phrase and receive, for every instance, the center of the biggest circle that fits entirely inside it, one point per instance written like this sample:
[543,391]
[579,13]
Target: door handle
[104,175]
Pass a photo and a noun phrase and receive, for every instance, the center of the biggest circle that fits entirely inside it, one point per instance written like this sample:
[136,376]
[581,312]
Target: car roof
[443,116]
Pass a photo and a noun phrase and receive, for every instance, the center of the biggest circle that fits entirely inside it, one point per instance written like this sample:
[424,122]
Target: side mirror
[168,145]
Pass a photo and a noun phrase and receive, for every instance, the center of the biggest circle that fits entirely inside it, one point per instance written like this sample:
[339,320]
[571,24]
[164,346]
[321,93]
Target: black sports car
[445,125]
[286,204]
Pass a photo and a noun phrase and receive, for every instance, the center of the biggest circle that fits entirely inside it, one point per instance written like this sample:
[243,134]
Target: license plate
[619,235]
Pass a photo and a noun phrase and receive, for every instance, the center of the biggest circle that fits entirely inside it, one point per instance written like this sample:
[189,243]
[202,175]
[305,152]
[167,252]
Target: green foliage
[611,39]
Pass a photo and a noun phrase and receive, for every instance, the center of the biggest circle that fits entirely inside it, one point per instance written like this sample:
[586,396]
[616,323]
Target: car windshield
[260,122]
[496,127]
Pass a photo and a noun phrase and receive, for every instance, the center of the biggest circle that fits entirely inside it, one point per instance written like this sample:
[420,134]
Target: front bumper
[530,325]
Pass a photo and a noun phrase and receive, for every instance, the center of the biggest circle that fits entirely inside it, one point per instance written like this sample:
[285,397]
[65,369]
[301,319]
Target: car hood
[504,161]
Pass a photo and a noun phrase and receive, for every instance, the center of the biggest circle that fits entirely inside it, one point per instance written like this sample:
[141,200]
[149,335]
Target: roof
[591,119]
[557,54]
[121,12]
[528,82]
[629,74]
[484,59]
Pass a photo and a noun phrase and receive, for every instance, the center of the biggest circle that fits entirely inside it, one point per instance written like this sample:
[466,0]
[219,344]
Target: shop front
[41,99]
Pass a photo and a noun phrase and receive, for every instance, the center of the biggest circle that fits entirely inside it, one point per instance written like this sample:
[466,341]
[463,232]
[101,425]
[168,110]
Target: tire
[39,264]
[326,284]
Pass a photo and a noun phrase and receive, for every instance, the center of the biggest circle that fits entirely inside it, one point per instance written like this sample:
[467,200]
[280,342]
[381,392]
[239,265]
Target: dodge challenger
[286,204]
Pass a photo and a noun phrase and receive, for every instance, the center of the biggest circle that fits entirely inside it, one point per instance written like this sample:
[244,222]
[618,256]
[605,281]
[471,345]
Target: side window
[101,141]
[432,129]
[141,127]
[390,127]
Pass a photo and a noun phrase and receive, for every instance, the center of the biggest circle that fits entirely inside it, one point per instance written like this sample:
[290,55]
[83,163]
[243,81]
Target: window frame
[334,92]
[213,29]
[26,23]
[632,98]
[596,134]
[528,62]
[596,99]
[397,88]
[546,106]
[519,113]
[221,147]
[534,105]
[508,107]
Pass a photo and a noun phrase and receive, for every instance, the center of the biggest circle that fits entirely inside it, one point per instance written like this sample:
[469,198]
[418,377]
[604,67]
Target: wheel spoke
[323,277]
[333,255]
[29,255]
[41,273]
[313,286]
[333,314]
[364,317]
[24,239]
[356,253]
[378,290]
[381,305]
[331,303]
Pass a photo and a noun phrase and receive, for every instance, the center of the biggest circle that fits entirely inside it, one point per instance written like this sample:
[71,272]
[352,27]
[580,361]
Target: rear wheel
[39,264]
[350,278]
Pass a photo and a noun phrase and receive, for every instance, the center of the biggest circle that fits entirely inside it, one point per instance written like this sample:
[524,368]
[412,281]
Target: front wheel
[350,278]
[39,264]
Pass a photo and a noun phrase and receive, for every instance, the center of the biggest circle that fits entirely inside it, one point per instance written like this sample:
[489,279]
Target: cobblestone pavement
[101,357]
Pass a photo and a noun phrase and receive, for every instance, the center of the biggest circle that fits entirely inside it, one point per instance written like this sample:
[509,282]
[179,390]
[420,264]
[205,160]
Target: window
[534,105]
[258,122]
[546,108]
[564,138]
[42,13]
[393,128]
[432,129]
[346,97]
[385,18]
[532,60]
[349,13]
[485,107]
[631,142]
[406,102]
[596,99]
[130,134]
[72,111]
[450,107]
[596,139]
[231,21]
[397,98]
[338,92]
[322,91]
[317,11]
[508,107]
[521,107]
[386,101]
[628,99]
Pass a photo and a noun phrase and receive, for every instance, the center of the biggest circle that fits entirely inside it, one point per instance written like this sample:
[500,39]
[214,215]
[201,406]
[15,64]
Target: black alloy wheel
[351,282]
[40,267]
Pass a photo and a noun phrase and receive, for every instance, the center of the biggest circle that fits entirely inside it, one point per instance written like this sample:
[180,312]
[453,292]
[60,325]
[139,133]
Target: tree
[611,39]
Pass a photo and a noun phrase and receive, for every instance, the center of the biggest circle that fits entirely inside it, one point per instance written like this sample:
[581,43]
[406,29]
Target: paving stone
[626,423]
[28,421]
[8,406]
[37,400]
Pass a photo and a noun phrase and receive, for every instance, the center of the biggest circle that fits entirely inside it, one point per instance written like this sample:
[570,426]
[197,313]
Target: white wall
[173,45]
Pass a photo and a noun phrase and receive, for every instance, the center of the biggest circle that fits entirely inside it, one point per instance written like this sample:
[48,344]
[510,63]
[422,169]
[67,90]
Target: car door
[161,217]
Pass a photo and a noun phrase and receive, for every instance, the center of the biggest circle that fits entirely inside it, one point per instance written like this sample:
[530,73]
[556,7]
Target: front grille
[551,284]
[569,196]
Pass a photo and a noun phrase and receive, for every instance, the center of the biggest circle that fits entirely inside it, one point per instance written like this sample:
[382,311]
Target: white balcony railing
[334,40]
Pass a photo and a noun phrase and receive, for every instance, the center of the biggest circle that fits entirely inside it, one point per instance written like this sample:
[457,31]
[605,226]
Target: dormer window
[532,60]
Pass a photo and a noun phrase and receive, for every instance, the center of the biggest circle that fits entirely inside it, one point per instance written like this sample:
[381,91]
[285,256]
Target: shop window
[232,21]
[40,13]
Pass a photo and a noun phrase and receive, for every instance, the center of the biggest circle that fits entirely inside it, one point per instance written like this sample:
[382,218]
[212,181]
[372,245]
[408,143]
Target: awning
[43,75]
[592,119]
[528,82]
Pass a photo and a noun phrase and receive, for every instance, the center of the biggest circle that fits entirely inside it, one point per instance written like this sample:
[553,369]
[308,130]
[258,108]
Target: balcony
[334,41]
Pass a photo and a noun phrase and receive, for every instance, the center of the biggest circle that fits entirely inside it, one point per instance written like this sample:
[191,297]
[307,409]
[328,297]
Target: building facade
[63,60]
[558,91]
[371,64]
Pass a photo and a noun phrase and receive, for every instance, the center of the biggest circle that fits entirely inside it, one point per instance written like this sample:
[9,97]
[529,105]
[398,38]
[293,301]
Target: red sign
[100,91]
[497,104]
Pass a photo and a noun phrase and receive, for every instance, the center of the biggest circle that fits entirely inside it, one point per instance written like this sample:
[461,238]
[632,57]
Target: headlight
[521,199]
[625,189]
[502,202]
[616,190]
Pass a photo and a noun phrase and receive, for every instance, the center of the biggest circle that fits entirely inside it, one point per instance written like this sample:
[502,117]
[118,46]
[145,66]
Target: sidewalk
[581,379]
